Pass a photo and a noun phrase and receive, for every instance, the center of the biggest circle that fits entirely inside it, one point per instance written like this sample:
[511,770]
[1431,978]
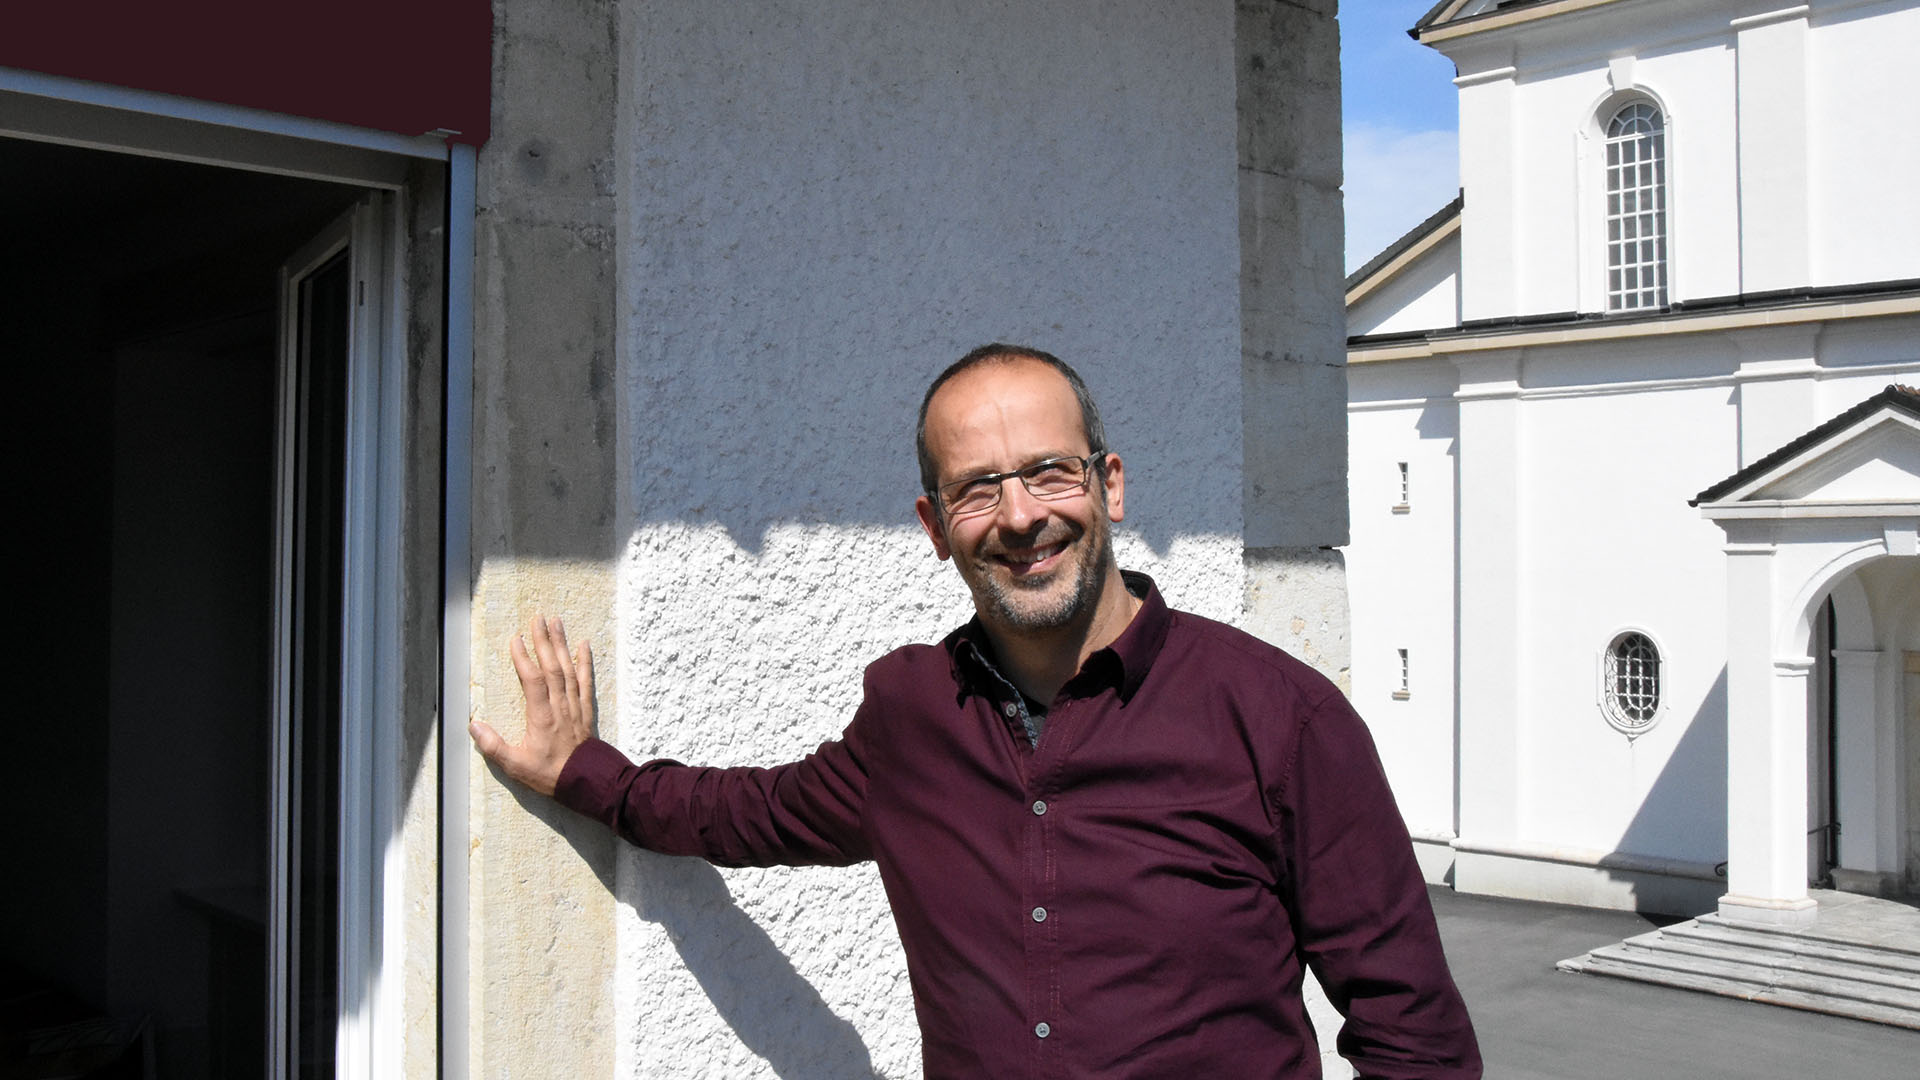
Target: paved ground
[1538,1024]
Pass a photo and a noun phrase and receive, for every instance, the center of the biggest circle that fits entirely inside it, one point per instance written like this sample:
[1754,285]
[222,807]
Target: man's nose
[1019,510]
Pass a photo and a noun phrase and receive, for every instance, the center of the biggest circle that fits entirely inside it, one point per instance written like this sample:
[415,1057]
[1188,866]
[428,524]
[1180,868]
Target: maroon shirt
[1134,898]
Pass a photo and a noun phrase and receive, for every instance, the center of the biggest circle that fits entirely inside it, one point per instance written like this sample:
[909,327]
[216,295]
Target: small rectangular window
[1405,691]
[1402,506]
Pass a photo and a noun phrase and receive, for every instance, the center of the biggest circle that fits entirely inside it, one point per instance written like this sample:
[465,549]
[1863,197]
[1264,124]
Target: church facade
[1634,477]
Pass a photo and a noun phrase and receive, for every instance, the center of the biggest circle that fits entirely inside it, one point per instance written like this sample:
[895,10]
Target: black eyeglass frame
[998,482]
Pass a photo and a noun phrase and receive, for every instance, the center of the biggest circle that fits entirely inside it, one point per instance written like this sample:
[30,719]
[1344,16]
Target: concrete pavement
[1536,1023]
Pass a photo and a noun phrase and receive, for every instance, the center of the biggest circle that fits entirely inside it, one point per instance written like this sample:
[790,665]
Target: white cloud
[1395,180]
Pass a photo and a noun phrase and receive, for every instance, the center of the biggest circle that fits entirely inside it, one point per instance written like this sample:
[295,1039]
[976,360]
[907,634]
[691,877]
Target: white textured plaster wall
[821,206]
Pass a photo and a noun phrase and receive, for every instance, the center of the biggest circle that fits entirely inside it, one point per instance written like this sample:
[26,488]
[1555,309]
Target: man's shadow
[773,1010]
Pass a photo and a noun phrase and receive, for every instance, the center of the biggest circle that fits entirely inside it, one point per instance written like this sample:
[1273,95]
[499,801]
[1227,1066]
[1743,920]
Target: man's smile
[1032,560]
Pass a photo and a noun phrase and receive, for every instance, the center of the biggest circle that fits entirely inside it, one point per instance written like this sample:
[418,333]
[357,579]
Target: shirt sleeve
[1360,908]
[806,813]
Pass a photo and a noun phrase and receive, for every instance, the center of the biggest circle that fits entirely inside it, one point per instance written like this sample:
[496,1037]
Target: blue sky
[1401,124]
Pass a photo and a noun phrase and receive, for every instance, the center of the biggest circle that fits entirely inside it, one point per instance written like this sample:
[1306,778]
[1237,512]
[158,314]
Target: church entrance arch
[1860,777]
[1822,536]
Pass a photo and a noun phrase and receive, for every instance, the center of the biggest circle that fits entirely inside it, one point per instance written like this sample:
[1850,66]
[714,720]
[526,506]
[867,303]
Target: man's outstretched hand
[559,690]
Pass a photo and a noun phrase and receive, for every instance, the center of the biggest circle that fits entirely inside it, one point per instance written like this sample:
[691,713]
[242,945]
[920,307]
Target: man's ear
[1114,478]
[929,516]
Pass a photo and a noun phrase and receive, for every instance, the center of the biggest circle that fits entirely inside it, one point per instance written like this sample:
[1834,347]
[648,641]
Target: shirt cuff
[589,782]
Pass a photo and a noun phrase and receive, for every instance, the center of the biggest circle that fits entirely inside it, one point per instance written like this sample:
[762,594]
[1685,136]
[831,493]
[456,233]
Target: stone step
[1897,965]
[1746,990]
[1821,973]
[1763,970]
[1901,948]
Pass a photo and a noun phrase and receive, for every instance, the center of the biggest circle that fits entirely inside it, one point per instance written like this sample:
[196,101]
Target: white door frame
[369,922]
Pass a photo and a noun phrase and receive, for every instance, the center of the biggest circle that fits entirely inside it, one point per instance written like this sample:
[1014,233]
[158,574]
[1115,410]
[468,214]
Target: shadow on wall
[828,440]
[589,839]
[767,1004]
[1687,800]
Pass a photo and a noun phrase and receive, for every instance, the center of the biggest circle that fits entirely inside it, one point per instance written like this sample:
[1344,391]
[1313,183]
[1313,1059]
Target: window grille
[1405,690]
[1636,208]
[1403,484]
[1632,682]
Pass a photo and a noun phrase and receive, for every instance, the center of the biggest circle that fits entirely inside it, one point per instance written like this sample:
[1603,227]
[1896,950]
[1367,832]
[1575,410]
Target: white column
[1766,752]
[1771,53]
[1490,634]
[1856,757]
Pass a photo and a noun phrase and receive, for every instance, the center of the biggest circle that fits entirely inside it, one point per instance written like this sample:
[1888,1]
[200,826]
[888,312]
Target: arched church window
[1637,208]
[1630,682]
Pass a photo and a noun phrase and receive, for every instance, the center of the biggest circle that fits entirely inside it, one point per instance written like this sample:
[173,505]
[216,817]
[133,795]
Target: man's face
[1031,563]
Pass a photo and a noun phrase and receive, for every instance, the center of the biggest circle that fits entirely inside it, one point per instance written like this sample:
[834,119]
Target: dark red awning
[404,66]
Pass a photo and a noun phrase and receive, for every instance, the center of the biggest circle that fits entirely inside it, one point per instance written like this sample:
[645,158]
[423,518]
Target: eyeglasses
[1053,478]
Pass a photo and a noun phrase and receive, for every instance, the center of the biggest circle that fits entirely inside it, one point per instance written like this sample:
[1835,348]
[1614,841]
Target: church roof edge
[1775,300]
[1434,222]
[1902,399]
[1444,20]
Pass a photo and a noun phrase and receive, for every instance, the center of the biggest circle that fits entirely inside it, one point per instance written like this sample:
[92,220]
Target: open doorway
[144,345]
[1860,776]
[1823,778]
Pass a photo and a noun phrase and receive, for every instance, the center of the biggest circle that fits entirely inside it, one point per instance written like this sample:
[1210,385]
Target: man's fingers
[570,668]
[550,638]
[585,684]
[518,762]
[486,740]
[559,692]
[525,666]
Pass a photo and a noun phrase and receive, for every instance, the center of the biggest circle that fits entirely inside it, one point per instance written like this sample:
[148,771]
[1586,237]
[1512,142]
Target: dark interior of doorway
[138,330]
[1823,778]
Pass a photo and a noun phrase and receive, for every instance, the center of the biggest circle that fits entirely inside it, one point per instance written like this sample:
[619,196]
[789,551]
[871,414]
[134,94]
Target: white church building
[1635,478]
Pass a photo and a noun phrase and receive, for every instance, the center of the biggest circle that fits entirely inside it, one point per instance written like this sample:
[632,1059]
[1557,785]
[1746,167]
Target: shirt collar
[1123,664]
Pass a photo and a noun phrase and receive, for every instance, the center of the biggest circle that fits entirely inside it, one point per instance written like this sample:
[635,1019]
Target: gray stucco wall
[749,234]
[822,206]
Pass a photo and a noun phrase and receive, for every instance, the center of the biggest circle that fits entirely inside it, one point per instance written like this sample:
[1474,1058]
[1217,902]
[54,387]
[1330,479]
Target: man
[1111,833]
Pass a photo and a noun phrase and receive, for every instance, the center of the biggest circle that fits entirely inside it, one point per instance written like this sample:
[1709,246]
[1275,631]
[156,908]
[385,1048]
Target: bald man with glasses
[1113,835]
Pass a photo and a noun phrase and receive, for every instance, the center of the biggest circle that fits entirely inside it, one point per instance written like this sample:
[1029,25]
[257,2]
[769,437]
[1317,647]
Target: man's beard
[1039,612]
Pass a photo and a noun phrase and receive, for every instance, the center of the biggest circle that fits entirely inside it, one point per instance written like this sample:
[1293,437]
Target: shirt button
[1039,807]
[1009,710]
[1039,914]
[1042,1030]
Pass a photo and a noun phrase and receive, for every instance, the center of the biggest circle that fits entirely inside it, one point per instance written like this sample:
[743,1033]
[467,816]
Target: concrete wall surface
[722,250]
[540,914]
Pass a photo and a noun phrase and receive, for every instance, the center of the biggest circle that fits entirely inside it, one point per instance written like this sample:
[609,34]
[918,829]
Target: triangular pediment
[1417,245]
[1868,455]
